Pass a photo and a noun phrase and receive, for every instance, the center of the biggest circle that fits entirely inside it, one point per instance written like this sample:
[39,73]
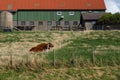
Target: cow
[41,47]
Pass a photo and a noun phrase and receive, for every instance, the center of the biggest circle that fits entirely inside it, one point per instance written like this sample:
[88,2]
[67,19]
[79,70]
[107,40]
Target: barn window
[66,22]
[22,23]
[59,13]
[49,23]
[40,23]
[75,22]
[71,13]
[31,23]
[57,22]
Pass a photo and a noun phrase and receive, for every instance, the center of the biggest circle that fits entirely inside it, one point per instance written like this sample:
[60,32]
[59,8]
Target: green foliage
[108,18]
[116,18]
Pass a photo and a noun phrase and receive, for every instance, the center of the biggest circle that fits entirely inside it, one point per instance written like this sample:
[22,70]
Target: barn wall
[45,15]
[45,26]
[0,22]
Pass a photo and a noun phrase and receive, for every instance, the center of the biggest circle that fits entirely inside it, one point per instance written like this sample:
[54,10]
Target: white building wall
[6,20]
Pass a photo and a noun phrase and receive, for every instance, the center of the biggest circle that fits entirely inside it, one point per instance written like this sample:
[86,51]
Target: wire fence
[70,57]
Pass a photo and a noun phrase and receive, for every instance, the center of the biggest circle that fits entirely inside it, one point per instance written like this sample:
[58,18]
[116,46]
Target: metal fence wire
[69,57]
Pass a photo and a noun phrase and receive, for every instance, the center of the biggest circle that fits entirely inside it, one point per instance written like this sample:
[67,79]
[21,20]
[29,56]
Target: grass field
[81,55]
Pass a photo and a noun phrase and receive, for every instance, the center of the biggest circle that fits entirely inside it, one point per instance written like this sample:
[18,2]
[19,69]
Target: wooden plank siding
[45,15]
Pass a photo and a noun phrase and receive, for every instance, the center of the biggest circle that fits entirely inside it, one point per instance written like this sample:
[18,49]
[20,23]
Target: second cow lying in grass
[42,47]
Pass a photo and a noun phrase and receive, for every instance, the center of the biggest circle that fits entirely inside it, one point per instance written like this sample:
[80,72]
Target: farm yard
[80,55]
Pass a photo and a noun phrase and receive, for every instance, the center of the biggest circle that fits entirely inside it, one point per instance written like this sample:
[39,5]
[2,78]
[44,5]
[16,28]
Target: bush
[108,19]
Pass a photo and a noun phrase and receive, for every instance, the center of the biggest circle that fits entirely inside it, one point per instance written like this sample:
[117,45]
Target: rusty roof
[52,4]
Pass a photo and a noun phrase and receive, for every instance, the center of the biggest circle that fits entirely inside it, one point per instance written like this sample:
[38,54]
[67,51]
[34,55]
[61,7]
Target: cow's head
[49,45]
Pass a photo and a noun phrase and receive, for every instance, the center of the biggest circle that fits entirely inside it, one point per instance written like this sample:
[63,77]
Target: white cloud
[112,6]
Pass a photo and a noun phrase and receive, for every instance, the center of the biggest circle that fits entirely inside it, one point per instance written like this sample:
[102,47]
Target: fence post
[102,27]
[60,43]
[62,61]
[11,61]
[73,59]
[27,60]
[93,55]
[53,57]
[118,50]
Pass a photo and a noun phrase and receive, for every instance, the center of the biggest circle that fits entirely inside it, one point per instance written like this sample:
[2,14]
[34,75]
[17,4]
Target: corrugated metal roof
[52,4]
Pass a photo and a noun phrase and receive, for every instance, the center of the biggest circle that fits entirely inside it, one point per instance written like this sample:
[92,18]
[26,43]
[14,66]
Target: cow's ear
[48,46]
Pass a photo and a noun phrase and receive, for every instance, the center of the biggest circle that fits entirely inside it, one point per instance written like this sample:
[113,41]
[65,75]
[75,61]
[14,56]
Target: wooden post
[62,61]
[27,60]
[93,55]
[73,59]
[53,57]
[11,61]
[60,43]
[118,50]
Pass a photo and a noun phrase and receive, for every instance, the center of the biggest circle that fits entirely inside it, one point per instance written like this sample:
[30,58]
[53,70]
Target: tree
[116,18]
[108,19]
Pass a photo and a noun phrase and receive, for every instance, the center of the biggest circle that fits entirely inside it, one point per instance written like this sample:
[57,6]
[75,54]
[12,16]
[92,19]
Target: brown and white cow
[41,47]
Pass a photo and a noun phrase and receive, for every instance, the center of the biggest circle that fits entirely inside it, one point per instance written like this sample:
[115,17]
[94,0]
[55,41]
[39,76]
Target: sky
[112,6]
